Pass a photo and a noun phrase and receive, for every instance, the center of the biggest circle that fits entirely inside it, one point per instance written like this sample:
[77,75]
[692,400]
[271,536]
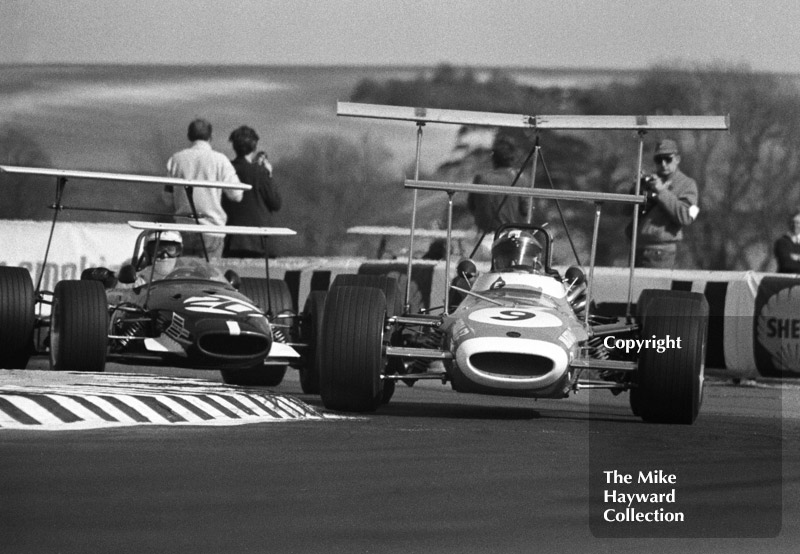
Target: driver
[161,253]
[516,250]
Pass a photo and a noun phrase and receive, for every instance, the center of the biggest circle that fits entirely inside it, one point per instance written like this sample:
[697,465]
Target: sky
[580,34]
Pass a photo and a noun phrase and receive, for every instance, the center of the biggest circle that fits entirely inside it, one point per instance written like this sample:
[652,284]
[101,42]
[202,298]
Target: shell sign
[777,327]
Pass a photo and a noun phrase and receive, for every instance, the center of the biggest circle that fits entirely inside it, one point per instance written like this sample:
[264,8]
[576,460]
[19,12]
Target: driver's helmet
[170,245]
[516,249]
[163,259]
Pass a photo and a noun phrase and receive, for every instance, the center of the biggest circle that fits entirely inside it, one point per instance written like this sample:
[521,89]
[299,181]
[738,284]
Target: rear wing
[639,123]
[376,230]
[563,122]
[550,194]
[226,229]
[63,174]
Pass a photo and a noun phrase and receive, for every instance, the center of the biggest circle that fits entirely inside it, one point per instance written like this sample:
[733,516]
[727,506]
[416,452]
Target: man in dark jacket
[258,203]
[787,248]
[671,205]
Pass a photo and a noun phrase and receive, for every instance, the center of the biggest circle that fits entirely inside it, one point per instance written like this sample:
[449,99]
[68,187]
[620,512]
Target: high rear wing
[574,122]
[227,229]
[120,177]
[550,194]
[391,231]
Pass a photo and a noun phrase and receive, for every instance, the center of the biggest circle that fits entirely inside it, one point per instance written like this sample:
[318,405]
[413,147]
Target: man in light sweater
[201,162]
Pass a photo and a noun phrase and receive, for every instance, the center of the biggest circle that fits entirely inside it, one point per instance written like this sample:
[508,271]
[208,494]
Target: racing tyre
[389,286]
[257,376]
[670,383]
[310,330]
[17,317]
[644,298]
[352,349]
[79,326]
[267,294]
[394,306]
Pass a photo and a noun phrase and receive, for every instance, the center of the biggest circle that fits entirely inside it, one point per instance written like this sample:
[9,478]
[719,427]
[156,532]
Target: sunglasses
[663,159]
[168,251]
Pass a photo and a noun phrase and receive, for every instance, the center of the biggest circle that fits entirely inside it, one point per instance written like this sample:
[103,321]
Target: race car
[522,328]
[189,315]
[161,309]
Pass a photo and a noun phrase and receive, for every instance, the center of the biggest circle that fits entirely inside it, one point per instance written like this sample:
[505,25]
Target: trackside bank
[754,325]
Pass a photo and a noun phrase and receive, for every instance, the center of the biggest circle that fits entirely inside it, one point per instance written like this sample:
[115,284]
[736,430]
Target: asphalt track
[434,471]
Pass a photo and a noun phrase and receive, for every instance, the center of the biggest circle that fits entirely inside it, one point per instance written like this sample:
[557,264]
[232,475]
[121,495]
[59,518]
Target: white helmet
[170,244]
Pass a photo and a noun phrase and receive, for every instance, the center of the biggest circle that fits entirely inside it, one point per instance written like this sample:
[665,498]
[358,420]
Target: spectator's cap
[666,147]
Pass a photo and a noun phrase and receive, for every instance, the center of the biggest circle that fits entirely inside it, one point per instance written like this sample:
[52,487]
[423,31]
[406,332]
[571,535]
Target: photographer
[671,205]
[258,204]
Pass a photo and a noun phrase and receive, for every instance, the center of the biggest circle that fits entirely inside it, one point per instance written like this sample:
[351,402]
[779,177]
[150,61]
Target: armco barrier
[755,317]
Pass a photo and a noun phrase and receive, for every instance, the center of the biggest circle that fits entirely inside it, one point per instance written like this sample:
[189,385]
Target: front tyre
[17,317]
[79,327]
[311,328]
[670,383]
[352,349]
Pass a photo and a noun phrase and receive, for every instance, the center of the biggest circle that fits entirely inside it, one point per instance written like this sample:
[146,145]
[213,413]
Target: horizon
[573,34]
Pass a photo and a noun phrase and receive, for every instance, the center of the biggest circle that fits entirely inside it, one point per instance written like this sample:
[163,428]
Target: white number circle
[515,317]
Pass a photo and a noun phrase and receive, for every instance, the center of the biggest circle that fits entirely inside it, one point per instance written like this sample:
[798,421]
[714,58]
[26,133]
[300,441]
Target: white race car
[521,329]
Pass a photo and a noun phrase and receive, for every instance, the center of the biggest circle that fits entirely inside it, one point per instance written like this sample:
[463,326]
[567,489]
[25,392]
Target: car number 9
[515,317]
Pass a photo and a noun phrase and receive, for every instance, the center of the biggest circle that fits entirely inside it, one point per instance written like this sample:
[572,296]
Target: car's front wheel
[79,326]
[672,366]
[17,317]
[352,349]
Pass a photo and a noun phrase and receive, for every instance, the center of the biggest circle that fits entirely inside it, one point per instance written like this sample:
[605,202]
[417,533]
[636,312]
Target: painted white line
[76,408]
[289,406]
[232,407]
[253,405]
[179,409]
[111,409]
[147,412]
[205,407]
[34,410]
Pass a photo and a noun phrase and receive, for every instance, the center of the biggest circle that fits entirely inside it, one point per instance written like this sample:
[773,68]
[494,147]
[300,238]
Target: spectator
[787,248]
[671,205]
[258,203]
[200,162]
[492,210]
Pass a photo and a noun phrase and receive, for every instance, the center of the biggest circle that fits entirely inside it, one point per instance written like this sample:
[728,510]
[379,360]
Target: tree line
[748,178]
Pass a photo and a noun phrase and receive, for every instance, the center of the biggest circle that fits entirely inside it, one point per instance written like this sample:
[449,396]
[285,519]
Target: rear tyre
[272,294]
[17,317]
[257,376]
[310,330]
[274,298]
[352,347]
[670,383]
[79,327]
[388,285]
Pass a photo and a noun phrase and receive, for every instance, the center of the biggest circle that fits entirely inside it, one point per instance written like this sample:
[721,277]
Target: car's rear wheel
[268,294]
[670,383]
[17,317]
[79,327]
[388,285]
[310,330]
[274,298]
[352,349]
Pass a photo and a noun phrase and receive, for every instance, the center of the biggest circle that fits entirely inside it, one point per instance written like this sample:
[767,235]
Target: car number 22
[515,317]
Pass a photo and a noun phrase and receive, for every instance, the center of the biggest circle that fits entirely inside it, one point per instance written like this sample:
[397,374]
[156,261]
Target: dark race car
[162,309]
